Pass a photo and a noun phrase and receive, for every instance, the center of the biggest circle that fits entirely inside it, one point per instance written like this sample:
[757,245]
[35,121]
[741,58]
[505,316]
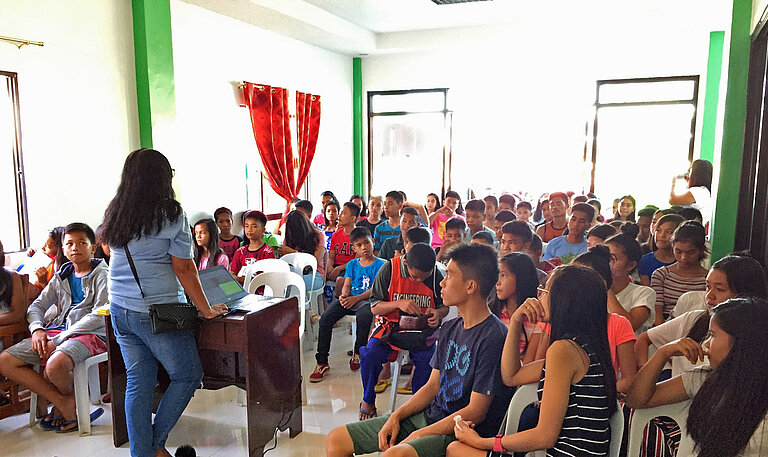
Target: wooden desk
[257,351]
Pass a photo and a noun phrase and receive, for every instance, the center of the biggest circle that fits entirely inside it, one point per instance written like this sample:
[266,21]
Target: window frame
[18,162]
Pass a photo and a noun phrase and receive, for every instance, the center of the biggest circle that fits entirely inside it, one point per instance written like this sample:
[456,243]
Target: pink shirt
[223,260]
[438,228]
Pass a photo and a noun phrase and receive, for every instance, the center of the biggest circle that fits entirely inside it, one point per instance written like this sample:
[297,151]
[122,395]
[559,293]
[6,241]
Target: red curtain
[268,108]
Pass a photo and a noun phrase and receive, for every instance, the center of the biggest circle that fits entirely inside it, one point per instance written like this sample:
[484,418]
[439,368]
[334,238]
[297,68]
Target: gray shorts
[22,350]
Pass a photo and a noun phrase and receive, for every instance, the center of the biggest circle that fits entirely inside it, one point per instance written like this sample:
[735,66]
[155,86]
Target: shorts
[365,436]
[76,350]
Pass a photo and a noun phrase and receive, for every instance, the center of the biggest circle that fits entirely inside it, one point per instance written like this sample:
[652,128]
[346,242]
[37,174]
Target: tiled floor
[213,423]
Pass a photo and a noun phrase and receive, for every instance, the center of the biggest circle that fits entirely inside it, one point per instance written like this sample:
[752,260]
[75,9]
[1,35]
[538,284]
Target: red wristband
[497,447]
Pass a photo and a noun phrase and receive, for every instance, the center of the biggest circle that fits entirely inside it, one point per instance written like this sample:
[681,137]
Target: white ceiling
[369,26]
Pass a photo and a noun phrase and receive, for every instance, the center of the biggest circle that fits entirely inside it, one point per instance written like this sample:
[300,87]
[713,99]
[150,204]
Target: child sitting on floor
[74,334]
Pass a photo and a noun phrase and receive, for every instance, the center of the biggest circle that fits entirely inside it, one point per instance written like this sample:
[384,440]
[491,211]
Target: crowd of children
[547,292]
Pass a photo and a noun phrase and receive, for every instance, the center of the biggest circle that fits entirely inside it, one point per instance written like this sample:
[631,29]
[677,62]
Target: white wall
[523,96]
[214,137]
[77,96]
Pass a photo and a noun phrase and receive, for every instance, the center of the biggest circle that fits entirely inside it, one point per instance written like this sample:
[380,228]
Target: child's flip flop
[94,415]
[46,423]
[371,414]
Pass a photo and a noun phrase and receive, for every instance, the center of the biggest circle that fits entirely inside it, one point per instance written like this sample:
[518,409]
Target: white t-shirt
[703,202]
[635,295]
[670,331]
[758,444]
[690,301]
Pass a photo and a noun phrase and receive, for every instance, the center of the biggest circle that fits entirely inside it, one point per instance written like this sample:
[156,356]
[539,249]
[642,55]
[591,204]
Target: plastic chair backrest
[263,266]
[279,283]
[299,261]
[640,418]
[617,431]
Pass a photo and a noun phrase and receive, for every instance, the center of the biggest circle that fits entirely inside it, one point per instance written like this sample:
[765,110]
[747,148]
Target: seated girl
[51,248]
[577,385]
[13,299]
[727,415]
[207,250]
[661,247]
[302,236]
[330,221]
[686,274]
[517,282]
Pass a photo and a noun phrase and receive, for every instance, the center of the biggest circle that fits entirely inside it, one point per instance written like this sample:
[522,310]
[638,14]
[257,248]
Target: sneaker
[354,362]
[320,370]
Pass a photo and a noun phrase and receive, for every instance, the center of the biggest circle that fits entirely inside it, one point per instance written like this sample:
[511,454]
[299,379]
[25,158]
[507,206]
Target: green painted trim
[729,175]
[712,95]
[153,54]
[357,126]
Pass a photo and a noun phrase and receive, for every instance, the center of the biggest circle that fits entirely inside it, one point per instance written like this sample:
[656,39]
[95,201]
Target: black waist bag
[409,340]
[167,317]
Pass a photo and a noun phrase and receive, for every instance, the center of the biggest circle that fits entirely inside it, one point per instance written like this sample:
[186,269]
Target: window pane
[646,92]
[639,150]
[407,153]
[414,102]
[9,229]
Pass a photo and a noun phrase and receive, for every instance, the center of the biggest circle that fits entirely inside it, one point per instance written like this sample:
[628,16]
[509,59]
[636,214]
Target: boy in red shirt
[254,224]
[341,251]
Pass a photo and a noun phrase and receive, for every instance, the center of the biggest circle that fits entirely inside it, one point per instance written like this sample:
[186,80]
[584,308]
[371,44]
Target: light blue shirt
[152,256]
[362,277]
[559,247]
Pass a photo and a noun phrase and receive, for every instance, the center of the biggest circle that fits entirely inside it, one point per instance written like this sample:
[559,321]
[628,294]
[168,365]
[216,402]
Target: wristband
[497,447]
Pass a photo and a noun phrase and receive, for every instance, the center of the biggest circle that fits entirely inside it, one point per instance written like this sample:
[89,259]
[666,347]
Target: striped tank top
[586,430]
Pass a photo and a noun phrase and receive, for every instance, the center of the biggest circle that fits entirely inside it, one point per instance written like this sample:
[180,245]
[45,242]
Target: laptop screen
[220,286]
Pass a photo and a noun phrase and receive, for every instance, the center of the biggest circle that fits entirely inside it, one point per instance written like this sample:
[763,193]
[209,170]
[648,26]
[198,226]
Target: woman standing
[699,193]
[145,218]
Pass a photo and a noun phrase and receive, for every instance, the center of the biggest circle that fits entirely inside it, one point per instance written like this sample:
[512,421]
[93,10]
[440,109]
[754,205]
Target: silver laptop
[220,287]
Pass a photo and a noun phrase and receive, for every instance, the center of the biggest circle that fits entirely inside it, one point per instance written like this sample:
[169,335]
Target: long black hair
[700,174]
[214,249]
[598,258]
[454,194]
[631,217]
[526,283]
[145,200]
[57,235]
[578,301]
[300,234]
[627,242]
[746,278]
[733,400]
[363,206]
[330,202]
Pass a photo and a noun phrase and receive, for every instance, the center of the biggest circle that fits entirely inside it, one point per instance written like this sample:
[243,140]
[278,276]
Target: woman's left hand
[214,311]
[465,433]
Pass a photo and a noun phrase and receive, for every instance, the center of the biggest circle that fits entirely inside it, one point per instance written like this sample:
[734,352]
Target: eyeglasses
[541,291]
[173,172]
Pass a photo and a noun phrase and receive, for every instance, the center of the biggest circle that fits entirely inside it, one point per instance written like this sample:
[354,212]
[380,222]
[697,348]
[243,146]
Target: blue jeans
[373,356]
[142,350]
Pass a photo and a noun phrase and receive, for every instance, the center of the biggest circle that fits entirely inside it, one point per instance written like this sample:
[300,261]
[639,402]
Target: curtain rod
[19,42]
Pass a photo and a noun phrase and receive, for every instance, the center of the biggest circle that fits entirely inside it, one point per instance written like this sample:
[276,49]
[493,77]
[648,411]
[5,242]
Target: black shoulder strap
[133,269]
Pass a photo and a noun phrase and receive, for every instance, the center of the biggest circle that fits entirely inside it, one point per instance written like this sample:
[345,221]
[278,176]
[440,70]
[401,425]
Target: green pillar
[712,94]
[153,50]
[729,165]
[357,126]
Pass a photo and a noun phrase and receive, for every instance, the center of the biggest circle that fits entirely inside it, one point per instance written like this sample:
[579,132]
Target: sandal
[382,385]
[47,422]
[94,415]
[405,390]
[366,414]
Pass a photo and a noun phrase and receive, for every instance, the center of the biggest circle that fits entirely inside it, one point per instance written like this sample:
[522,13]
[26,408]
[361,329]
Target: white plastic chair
[527,394]
[263,266]
[279,283]
[86,377]
[640,418]
[396,365]
[299,261]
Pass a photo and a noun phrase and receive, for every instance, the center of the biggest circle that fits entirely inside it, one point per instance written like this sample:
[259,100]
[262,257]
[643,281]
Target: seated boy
[255,248]
[502,217]
[507,202]
[565,248]
[474,212]
[74,334]
[483,237]
[464,380]
[341,251]
[516,236]
[354,299]
[405,285]
[409,218]
[524,211]
[491,208]
[305,207]
[454,236]
[393,203]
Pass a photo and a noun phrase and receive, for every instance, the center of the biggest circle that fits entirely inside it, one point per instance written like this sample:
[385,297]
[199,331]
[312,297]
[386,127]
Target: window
[649,118]
[408,127]
[14,231]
